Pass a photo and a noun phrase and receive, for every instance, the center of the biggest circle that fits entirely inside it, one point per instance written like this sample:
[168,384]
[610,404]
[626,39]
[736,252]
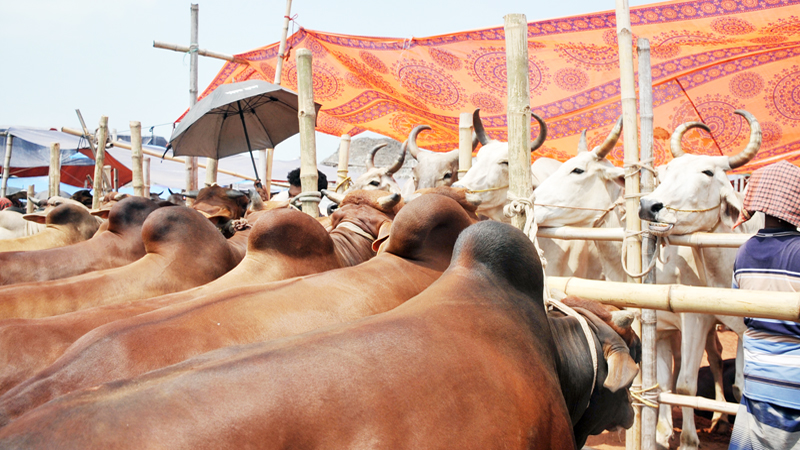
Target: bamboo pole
[719,240]
[146,174]
[648,318]
[136,158]
[344,163]
[464,143]
[211,171]
[199,51]
[54,179]
[702,403]
[282,45]
[191,161]
[97,190]
[518,112]
[116,179]
[7,165]
[107,175]
[308,117]
[29,206]
[270,152]
[679,298]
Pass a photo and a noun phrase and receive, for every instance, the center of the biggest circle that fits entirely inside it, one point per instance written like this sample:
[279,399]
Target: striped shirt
[770,261]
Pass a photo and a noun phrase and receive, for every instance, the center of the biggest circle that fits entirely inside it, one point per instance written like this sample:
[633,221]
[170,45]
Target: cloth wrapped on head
[775,191]
[5,203]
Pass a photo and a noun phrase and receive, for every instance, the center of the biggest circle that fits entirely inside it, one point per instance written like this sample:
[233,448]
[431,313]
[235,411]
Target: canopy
[709,58]
[30,155]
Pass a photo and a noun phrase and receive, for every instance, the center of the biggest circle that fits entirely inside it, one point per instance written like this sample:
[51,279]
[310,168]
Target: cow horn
[256,203]
[370,161]
[750,151]
[477,124]
[191,194]
[159,194]
[677,135]
[233,193]
[602,150]
[582,145]
[334,196]
[475,140]
[542,133]
[398,163]
[412,139]
[37,202]
[389,201]
[170,191]
[622,318]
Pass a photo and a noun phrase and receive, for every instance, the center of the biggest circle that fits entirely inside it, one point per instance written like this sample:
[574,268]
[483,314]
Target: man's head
[295,187]
[775,191]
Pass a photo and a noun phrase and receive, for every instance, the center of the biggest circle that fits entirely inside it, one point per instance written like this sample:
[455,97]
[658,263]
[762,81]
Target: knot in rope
[240,224]
[646,396]
[314,196]
[346,182]
[521,205]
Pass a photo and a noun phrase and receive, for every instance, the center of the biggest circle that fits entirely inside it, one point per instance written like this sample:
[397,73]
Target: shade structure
[237,118]
[710,57]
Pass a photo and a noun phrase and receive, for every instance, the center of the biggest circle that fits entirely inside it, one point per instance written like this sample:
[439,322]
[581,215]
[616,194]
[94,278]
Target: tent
[709,58]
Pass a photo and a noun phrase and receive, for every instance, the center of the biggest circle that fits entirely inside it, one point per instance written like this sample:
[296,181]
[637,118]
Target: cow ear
[621,370]
[383,237]
[35,217]
[730,205]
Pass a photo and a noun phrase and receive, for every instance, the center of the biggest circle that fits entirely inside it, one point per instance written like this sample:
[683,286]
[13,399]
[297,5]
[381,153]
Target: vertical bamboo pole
[54,180]
[29,206]
[262,167]
[100,156]
[308,140]
[6,165]
[270,152]
[191,161]
[344,162]
[146,174]
[633,436]
[107,176]
[115,173]
[649,379]
[136,158]
[518,111]
[464,143]
[282,46]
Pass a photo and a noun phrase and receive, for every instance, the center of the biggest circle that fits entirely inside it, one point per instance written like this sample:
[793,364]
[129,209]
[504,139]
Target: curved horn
[37,202]
[370,161]
[256,203]
[677,135]
[334,196]
[389,201]
[170,191]
[233,193]
[412,139]
[542,133]
[477,124]
[191,194]
[475,140]
[398,163]
[582,145]
[750,151]
[605,148]
[159,194]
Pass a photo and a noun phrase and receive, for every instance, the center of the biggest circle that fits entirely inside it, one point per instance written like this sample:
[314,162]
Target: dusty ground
[708,441]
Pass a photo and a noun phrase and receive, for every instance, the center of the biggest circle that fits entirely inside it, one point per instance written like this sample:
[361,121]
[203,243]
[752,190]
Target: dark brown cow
[472,362]
[120,244]
[283,244]
[418,251]
[183,251]
[66,224]
[221,206]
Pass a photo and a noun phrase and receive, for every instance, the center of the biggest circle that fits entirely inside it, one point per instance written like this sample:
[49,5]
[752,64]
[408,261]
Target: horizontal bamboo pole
[678,298]
[200,51]
[728,240]
[698,403]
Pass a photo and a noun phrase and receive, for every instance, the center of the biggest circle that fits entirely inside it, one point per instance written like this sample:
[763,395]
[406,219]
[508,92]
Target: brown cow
[474,361]
[418,251]
[183,251]
[221,206]
[66,224]
[283,244]
[120,244]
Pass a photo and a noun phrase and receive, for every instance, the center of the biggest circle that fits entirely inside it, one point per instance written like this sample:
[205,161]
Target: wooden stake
[464,143]
[29,206]
[649,363]
[136,158]
[344,162]
[107,175]
[54,181]
[307,115]
[146,174]
[115,173]
[191,161]
[282,46]
[7,165]
[268,170]
[211,171]
[97,190]
[518,112]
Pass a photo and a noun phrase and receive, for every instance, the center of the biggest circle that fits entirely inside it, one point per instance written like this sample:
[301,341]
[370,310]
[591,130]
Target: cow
[695,195]
[221,206]
[184,250]
[379,178]
[282,244]
[14,225]
[65,224]
[474,361]
[418,250]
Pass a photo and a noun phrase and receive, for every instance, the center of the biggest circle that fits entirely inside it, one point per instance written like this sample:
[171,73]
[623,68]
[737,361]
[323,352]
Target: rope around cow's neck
[587,332]
[470,191]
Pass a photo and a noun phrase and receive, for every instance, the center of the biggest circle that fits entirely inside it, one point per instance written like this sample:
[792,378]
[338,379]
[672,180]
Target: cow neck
[587,332]
[352,244]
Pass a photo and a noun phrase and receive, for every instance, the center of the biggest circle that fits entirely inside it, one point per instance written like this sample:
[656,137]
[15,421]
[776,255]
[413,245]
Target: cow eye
[374,183]
[708,172]
[503,162]
[577,170]
[448,175]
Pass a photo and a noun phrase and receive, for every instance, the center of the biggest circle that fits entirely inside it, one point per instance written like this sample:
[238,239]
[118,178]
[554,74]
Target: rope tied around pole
[520,205]
[646,396]
[346,182]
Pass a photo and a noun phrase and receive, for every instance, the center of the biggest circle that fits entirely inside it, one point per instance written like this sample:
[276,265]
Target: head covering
[5,203]
[775,191]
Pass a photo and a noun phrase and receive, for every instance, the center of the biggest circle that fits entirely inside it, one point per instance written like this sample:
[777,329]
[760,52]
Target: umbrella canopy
[236,118]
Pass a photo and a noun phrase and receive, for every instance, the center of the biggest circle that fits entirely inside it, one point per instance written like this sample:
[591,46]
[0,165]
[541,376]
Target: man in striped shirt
[769,413]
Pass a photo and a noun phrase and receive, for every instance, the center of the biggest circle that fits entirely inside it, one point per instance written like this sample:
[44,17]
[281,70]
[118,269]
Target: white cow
[433,169]
[379,178]
[15,225]
[695,195]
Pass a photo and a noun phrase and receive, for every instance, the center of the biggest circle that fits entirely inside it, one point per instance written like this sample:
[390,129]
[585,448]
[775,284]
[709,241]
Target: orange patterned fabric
[709,58]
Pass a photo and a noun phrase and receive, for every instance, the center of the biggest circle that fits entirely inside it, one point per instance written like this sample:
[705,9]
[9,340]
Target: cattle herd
[408,318]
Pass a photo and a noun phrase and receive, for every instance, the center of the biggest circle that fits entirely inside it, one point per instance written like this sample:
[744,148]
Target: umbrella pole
[247,138]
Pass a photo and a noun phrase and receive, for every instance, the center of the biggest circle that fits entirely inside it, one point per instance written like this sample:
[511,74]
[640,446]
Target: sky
[98,56]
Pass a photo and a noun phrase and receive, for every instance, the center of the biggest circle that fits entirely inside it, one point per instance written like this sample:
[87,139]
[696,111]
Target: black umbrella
[235,118]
